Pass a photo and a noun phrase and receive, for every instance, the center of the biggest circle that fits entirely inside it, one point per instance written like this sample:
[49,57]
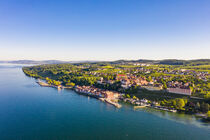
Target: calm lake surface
[31,112]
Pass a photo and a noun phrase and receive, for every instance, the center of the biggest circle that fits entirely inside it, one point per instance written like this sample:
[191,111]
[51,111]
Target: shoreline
[44,84]
[116,104]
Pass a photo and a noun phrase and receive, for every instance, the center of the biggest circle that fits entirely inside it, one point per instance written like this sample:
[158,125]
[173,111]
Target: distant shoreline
[151,61]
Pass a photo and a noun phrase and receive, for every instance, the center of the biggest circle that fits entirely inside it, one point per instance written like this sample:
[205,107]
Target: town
[166,87]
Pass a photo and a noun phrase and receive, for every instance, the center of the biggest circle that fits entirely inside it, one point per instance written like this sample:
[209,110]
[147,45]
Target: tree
[204,107]
[197,106]
[208,114]
[134,97]
[174,103]
[164,85]
[70,84]
[149,79]
[128,96]
[162,103]
[47,79]
[180,103]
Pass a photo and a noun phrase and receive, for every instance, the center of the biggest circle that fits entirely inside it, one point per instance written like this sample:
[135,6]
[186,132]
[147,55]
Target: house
[144,100]
[100,81]
[110,81]
[143,81]
[125,86]
[121,77]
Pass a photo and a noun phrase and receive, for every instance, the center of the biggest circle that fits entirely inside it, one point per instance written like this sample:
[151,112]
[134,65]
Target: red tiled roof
[121,75]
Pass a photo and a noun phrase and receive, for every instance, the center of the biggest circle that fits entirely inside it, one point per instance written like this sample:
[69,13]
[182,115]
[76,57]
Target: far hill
[164,62]
[167,62]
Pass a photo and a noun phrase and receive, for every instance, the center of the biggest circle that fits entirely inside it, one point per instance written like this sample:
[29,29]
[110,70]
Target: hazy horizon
[102,60]
[104,30]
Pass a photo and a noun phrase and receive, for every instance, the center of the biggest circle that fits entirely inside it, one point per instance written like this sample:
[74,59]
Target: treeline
[186,105]
[166,62]
[53,82]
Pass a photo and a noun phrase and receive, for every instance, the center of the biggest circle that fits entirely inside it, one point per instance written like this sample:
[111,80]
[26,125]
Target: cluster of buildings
[133,78]
[146,103]
[96,92]
[136,101]
[141,64]
[203,75]
[129,80]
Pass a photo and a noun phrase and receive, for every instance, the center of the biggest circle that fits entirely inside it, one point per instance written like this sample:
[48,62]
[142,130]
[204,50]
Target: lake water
[31,112]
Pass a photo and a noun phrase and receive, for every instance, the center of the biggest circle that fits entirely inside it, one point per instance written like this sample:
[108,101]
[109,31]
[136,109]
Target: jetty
[140,106]
[43,84]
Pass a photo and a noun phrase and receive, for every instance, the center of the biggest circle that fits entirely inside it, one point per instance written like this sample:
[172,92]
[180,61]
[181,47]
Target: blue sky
[104,29]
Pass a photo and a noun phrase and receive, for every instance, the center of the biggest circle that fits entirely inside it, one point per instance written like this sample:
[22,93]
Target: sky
[74,30]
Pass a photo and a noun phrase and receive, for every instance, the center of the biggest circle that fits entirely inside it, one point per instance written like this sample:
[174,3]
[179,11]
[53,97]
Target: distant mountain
[185,62]
[164,62]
